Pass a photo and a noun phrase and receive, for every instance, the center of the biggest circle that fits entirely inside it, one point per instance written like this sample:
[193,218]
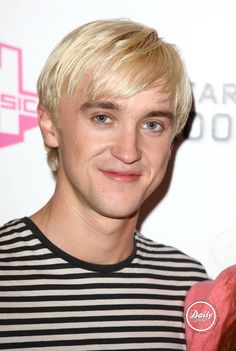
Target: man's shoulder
[168,255]
[153,246]
[11,227]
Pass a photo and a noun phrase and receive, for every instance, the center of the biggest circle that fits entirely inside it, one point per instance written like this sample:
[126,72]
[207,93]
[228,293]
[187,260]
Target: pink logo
[201,316]
[17,105]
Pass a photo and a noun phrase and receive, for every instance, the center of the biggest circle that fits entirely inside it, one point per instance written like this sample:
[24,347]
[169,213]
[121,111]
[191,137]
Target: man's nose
[126,146]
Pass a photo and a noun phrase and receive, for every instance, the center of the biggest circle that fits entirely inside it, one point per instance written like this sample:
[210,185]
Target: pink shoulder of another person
[207,306]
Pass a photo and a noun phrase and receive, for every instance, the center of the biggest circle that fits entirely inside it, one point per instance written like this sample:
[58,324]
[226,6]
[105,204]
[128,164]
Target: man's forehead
[142,100]
[159,93]
[87,97]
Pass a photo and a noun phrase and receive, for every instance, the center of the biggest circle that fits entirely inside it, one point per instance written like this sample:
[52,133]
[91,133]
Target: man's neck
[83,234]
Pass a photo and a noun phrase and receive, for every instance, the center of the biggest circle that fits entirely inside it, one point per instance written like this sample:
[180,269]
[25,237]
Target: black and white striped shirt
[50,300]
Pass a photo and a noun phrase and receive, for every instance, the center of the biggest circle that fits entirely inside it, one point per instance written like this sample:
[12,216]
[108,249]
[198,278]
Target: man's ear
[48,130]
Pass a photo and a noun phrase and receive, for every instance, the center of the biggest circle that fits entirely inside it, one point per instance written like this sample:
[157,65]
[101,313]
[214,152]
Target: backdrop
[195,208]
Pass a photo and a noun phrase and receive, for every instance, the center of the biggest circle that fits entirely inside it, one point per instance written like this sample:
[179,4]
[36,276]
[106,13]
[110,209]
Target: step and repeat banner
[194,209]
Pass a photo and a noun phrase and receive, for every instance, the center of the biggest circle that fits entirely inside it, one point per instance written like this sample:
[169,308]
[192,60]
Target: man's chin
[119,213]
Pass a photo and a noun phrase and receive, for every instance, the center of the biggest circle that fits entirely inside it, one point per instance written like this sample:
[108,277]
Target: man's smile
[121,175]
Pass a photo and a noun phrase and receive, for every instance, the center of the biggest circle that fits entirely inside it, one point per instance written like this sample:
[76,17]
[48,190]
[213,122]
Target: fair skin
[113,155]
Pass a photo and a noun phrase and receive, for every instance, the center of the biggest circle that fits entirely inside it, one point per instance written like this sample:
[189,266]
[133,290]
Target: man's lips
[121,175]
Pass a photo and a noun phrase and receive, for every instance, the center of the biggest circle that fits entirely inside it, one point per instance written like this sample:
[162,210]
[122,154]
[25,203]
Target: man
[76,275]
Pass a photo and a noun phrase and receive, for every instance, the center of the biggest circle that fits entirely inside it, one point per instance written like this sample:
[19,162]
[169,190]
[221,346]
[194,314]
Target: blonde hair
[123,58]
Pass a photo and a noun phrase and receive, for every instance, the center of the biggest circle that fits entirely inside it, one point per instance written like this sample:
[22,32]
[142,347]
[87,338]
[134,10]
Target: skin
[113,155]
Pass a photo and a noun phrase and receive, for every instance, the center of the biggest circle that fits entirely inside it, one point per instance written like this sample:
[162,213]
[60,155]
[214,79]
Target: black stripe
[166,268]
[113,285]
[31,258]
[157,258]
[141,240]
[20,239]
[155,250]
[123,296]
[137,275]
[91,330]
[59,287]
[22,248]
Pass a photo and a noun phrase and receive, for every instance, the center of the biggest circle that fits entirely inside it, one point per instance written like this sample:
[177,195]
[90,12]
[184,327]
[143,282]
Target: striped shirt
[50,300]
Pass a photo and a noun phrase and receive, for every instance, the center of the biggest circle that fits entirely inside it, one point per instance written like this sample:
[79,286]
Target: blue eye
[102,119]
[153,126]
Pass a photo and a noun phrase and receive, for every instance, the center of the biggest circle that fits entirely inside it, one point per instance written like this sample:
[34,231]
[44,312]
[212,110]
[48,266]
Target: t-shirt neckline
[76,262]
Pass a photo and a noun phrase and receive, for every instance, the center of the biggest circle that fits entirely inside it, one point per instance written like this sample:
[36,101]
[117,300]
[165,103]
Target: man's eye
[153,126]
[102,119]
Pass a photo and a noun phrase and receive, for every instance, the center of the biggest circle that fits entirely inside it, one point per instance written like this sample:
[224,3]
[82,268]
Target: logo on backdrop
[215,112]
[17,105]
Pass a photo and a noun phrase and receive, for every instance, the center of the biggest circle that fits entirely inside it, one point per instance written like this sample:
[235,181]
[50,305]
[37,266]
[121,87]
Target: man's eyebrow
[111,105]
[160,113]
[108,105]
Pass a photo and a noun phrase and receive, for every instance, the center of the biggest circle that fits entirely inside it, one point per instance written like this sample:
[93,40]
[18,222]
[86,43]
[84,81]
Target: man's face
[114,152]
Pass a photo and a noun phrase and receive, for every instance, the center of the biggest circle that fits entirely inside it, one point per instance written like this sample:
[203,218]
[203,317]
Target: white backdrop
[197,214]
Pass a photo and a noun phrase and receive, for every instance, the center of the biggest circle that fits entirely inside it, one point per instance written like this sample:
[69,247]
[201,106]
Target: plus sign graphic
[17,105]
